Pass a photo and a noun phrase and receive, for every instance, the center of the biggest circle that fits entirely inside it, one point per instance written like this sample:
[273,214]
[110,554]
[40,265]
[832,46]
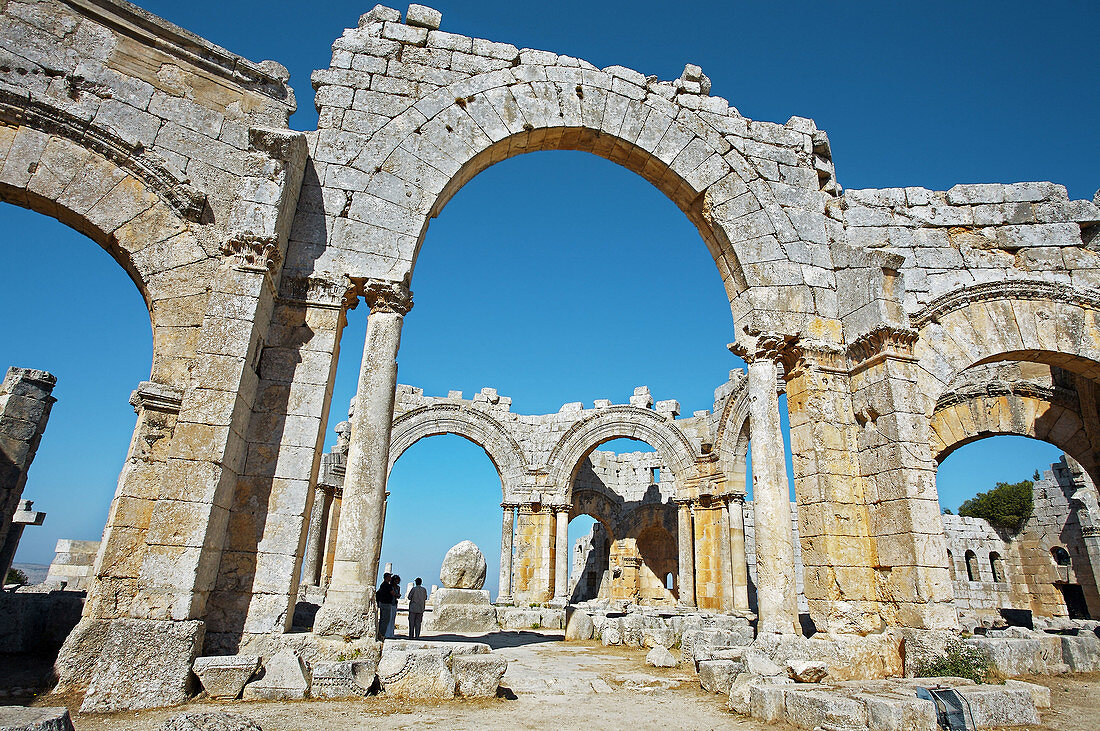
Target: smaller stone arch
[971,560]
[732,441]
[617,422]
[472,424]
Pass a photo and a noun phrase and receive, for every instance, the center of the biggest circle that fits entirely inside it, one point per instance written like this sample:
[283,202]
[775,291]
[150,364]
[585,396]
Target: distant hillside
[36,572]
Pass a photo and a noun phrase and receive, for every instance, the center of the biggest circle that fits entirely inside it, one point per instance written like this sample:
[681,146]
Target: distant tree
[947,511]
[1007,506]
[15,576]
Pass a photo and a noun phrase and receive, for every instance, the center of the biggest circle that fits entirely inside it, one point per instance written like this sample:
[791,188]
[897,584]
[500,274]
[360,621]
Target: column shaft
[561,554]
[504,593]
[776,593]
[349,608]
[314,550]
[725,558]
[739,566]
[686,542]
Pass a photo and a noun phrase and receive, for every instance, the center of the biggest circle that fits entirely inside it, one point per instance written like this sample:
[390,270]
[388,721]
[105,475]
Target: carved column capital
[771,346]
[386,296]
[884,341]
[321,290]
[157,396]
[251,252]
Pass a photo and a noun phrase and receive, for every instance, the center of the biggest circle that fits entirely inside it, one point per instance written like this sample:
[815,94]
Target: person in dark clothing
[384,599]
[395,596]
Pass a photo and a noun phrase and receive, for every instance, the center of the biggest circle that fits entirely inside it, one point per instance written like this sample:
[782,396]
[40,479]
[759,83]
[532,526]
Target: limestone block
[443,597]
[611,633]
[143,663]
[416,674]
[758,663]
[1040,694]
[551,618]
[516,618]
[813,708]
[343,679]
[463,567]
[478,676]
[285,677]
[767,702]
[579,626]
[422,16]
[660,657]
[18,718]
[224,677]
[717,675]
[1012,656]
[464,618]
[805,671]
[212,721]
[994,706]
[900,714]
[921,645]
[1081,653]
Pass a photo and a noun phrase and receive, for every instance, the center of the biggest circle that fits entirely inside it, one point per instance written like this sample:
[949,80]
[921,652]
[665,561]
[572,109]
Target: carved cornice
[1014,289]
[1063,397]
[320,291]
[156,396]
[387,296]
[251,252]
[1090,531]
[885,341]
[19,109]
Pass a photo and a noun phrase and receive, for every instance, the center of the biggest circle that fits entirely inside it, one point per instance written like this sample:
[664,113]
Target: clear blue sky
[560,277]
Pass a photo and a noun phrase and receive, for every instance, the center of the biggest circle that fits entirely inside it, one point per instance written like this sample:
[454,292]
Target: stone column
[504,593]
[331,533]
[777,597]
[318,520]
[686,542]
[725,555]
[561,552]
[739,569]
[349,609]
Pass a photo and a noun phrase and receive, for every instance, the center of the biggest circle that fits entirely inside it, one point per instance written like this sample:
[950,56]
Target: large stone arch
[476,426]
[1036,321]
[615,422]
[122,205]
[732,441]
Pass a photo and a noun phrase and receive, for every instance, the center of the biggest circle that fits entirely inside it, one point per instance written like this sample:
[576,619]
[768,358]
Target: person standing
[395,596]
[418,599]
[384,599]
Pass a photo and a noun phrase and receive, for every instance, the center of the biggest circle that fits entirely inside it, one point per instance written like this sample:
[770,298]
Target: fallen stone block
[551,618]
[416,674]
[144,663]
[813,708]
[224,677]
[758,663]
[19,718]
[1040,694]
[1081,652]
[470,618]
[342,678]
[767,702]
[993,706]
[478,676]
[285,677]
[806,671]
[579,626]
[899,713]
[517,618]
[214,721]
[1012,656]
[660,657]
[717,675]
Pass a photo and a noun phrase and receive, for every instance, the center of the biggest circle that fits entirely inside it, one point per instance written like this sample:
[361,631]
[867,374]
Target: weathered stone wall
[73,563]
[25,403]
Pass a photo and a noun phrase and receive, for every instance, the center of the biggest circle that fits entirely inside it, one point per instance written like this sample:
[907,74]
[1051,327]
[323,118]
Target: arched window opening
[670,581]
[996,566]
[951,565]
[1060,555]
[971,566]
[590,546]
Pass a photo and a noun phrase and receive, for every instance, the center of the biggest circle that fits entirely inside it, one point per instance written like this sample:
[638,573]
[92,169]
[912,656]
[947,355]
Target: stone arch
[732,441]
[474,425]
[400,176]
[615,422]
[126,206]
[1041,322]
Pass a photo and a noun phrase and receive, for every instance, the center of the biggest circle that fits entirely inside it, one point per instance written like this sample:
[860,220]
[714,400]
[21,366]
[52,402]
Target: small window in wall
[997,566]
[1060,555]
[971,566]
[951,565]
[655,475]
[670,581]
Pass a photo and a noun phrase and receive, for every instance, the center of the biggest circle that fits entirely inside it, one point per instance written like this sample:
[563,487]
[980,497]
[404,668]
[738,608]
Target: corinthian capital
[765,346]
[387,296]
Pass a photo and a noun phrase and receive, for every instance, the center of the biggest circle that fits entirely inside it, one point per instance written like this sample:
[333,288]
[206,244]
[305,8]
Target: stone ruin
[901,323]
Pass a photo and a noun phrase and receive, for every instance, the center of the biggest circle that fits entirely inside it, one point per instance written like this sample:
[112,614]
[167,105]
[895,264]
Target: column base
[343,616]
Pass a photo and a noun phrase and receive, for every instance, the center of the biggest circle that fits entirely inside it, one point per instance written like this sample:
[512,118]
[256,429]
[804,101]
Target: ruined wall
[25,404]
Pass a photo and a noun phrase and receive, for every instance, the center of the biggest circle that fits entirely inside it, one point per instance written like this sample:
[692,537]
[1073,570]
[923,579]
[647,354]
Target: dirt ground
[555,684]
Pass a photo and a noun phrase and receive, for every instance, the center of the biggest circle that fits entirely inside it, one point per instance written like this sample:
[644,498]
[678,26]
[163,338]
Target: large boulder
[579,626]
[463,567]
